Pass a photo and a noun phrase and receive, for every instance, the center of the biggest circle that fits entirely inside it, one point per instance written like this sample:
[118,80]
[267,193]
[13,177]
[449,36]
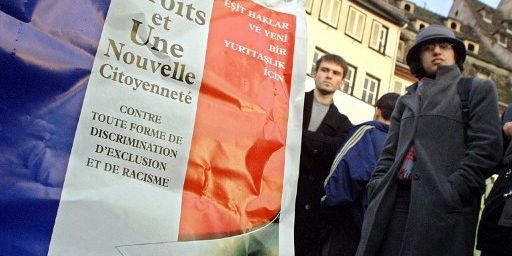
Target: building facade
[481,60]
[374,36]
[494,30]
[366,34]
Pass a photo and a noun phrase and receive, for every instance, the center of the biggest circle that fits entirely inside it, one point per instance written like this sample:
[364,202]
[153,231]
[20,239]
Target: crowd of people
[410,181]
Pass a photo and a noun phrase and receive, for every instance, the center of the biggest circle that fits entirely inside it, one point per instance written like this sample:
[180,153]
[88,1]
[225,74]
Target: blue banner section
[47,50]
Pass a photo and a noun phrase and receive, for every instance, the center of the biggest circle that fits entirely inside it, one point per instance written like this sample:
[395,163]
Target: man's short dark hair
[329,57]
[386,104]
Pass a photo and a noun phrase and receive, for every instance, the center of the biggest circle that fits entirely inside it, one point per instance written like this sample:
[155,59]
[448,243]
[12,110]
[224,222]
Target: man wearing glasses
[426,189]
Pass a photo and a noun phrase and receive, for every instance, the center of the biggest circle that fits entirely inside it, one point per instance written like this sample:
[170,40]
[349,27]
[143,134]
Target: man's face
[329,77]
[435,54]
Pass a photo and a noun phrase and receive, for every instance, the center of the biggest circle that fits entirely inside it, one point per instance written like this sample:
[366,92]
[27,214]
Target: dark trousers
[343,239]
[395,230]
[494,253]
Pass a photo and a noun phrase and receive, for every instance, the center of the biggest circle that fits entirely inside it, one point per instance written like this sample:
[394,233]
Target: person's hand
[507,129]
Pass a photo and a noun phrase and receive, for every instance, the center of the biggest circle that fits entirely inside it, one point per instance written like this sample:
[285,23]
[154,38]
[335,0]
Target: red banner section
[235,171]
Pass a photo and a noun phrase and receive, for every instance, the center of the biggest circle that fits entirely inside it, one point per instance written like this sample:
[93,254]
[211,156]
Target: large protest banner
[150,127]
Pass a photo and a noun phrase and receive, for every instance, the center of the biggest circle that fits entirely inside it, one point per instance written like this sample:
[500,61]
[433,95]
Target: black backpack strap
[463,89]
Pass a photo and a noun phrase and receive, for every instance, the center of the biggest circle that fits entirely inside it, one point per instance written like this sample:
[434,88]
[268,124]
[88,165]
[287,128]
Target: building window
[508,28]
[453,24]
[484,74]
[486,16]
[330,12]
[355,24]
[471,47]
[398,87]
[350,79]
[407,7]
[421,25]
[379,37]
[400,54]
[316,55]
[502,40]
[309,6]
[370,89]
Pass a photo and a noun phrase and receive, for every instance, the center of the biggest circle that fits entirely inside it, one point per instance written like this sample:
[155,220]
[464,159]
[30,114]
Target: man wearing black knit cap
[426,189]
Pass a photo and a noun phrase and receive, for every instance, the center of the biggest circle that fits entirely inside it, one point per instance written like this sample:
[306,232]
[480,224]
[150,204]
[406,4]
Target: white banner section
[135,129]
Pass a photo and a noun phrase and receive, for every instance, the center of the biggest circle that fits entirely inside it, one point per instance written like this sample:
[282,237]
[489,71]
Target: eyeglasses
[430,47]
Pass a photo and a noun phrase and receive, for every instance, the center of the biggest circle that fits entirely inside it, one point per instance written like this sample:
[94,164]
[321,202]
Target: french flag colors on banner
[150,127]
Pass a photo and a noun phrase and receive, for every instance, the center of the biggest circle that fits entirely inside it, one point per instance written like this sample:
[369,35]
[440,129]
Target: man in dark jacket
[426,190]
[495,230]
[323,130]
[345,187]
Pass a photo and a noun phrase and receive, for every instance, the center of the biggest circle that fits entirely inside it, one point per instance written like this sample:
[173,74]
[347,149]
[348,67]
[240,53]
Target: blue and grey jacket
[352,168]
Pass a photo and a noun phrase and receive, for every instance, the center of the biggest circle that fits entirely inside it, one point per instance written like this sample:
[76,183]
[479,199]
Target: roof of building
[466,32]
[490,28]
[386,11]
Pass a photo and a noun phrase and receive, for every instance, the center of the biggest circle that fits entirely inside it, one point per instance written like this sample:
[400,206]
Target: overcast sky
[443,6]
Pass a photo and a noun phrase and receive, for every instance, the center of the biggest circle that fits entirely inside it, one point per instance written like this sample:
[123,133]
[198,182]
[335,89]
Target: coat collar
[329,122]
[376,124]
[410,98]
[446,75]
[308,105]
